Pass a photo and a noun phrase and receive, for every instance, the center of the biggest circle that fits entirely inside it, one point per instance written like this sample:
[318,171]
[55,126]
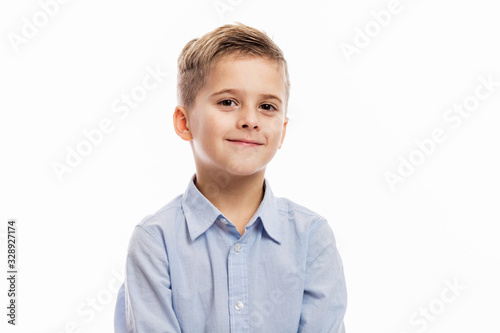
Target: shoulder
[308,231]
[165,218]
[299,215]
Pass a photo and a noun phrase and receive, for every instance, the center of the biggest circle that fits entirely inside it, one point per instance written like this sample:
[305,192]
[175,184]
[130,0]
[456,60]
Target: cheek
[213,129]
[202,124]
[274,131]
[214,122]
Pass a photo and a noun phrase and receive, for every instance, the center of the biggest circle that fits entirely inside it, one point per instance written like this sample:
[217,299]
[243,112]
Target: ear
[181,123]
[284,132]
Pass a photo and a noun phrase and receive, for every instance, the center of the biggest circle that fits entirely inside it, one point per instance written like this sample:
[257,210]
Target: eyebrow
[235,91]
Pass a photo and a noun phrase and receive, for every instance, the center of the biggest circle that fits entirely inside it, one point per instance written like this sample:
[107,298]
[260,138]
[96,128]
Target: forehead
[247,73]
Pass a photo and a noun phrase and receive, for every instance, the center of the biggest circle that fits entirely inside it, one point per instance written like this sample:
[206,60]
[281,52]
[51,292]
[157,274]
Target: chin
[244,169]
[243,172]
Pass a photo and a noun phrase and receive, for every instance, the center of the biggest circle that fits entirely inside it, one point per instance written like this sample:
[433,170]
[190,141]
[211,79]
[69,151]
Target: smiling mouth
[246,143]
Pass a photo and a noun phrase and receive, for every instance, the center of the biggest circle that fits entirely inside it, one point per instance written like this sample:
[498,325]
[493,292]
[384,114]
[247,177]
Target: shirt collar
[200,213]
[268,213]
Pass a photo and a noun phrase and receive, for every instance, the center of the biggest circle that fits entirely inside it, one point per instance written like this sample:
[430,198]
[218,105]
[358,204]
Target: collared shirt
[188,269]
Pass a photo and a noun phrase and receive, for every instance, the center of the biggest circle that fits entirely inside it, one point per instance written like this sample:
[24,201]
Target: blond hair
[200,55]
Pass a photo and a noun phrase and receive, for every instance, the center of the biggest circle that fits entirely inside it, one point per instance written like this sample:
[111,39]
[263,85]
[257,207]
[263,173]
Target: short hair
[200,55]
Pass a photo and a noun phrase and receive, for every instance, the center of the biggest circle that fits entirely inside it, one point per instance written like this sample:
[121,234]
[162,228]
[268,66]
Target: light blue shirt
[189,270]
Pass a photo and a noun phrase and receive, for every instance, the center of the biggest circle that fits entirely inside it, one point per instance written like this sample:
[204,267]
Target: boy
[228,256]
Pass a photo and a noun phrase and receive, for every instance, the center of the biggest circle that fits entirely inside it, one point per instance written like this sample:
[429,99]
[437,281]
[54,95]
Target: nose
[248,119]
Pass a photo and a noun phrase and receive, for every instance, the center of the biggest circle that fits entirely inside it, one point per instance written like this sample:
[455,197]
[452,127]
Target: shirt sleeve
[325,296]
[147,292]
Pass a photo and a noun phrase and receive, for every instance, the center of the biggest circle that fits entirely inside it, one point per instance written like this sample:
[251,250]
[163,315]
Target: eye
[227,102]
[269,107]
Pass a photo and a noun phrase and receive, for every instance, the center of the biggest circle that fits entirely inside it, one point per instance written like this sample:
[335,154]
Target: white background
[351,119]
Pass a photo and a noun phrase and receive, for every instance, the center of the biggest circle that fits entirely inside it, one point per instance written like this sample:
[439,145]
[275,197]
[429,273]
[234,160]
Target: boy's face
[237,122]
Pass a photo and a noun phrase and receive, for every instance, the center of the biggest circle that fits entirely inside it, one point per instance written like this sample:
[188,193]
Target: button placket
[238,283]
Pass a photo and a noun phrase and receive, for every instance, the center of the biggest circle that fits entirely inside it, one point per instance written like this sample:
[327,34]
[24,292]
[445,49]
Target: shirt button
[238,306]
[223,220]
[238,247]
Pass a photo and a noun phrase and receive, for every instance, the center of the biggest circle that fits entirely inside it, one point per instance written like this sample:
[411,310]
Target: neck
[237,197]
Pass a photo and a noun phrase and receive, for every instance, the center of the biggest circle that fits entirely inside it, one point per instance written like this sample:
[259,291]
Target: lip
[246,143]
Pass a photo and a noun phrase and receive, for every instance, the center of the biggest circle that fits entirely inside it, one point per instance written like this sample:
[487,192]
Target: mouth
[246,143]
